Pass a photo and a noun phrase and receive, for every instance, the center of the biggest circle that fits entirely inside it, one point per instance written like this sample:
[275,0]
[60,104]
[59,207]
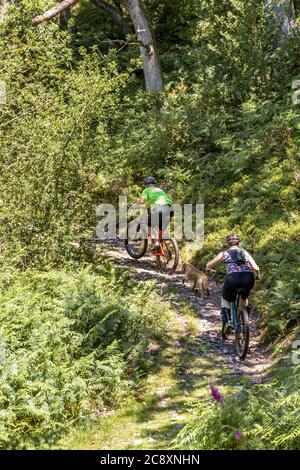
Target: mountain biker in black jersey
[160,206]
[240,268]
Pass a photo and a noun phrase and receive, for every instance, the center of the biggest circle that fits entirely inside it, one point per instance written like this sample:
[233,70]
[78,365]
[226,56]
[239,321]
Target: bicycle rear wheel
[136,248]
[242,333]
[169,262]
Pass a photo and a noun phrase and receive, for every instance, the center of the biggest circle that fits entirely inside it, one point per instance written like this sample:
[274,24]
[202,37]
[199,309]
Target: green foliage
[55,134]
[267,417]
[78,129]
[227,135]
[70,344]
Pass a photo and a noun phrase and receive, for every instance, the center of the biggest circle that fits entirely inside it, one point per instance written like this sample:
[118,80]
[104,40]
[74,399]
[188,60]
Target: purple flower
[215,393]
[238,435]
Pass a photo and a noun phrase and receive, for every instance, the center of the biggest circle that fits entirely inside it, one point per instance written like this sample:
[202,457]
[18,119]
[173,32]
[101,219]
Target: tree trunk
[60,7]
[282,17]
[3,8]
[151,66]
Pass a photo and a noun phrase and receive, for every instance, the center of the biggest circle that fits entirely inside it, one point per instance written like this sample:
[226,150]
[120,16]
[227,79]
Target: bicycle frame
[160,251]
[234,307]
[163,253]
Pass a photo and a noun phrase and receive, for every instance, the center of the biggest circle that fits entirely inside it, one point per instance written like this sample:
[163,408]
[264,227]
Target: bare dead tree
[56,10]
[144,35]
[3,7]
[151,65]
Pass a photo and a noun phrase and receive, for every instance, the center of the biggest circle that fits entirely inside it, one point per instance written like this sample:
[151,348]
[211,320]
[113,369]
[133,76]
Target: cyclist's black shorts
[234,281]
[160,216]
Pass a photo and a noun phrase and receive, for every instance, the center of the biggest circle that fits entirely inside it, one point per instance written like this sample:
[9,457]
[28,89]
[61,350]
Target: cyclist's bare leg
[225,303]
[154,238]
[225,311]
[153,233]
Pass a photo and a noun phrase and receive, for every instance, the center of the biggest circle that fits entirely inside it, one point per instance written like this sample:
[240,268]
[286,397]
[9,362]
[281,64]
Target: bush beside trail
[72,343]
[263,417]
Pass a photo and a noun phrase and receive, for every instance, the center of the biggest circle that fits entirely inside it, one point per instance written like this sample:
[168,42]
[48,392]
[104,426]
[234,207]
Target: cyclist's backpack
[237,256]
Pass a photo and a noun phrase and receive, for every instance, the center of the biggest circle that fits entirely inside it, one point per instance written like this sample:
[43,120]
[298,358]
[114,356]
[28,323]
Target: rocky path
[192,360]
[257,361]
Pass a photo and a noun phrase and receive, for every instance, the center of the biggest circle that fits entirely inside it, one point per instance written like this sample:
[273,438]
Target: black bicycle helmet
[150,180]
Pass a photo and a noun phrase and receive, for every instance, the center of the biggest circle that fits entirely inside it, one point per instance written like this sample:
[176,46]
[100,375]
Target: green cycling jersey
[157,196]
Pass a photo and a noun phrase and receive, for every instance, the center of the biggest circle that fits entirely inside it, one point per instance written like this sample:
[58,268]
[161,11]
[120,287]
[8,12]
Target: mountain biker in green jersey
[160,208]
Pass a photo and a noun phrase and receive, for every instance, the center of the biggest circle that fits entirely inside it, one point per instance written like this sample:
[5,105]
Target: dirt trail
[182,372]
[257,362]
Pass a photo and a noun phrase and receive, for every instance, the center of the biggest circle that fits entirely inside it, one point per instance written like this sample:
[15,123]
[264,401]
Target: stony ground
[208,311]
[194,359]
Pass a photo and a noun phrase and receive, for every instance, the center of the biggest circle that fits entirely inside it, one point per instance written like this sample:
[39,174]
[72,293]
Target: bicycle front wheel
[242,333]
[169,261]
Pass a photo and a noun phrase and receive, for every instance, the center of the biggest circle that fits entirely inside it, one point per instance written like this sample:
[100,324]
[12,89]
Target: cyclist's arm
[141,202]
[143,198]
[217,260]
[255,267]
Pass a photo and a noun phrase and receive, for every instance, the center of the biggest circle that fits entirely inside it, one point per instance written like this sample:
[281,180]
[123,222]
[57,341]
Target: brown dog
[198,277]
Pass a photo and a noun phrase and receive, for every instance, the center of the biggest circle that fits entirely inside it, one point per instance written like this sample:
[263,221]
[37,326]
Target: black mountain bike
[240,326]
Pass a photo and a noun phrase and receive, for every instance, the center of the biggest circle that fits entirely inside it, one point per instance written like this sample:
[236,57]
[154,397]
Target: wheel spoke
[168,253]
[136,248]
[242,335]
[169,262]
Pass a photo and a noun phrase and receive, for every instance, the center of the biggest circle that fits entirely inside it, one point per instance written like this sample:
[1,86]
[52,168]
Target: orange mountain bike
[167,254]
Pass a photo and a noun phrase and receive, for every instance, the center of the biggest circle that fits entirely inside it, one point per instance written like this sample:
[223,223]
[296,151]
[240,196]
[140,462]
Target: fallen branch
[53,11]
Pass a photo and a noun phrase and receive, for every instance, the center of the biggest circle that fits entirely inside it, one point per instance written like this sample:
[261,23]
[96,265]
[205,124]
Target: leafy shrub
[263,417]
[71,342]
[78,130]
